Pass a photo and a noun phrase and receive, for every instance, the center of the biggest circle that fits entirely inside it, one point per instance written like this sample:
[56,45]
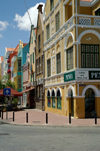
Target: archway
[59,105]
[89,103]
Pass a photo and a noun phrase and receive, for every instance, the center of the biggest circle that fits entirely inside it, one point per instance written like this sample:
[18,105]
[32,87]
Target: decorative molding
[59,90]
[86,32]
[66,38]
[97,93]
[71,88]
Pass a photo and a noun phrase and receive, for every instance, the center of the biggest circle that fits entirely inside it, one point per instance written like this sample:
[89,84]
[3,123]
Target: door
[89,103]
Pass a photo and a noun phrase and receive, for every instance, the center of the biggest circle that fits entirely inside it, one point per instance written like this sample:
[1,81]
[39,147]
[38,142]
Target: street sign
[69,76]
[7,91]
[81,75]
[94,75]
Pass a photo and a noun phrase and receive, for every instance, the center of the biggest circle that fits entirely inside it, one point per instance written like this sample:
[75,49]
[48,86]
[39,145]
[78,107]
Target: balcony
[84,21]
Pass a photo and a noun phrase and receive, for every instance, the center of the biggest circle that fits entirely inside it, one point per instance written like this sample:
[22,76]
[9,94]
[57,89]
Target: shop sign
[69,76]
[82,75]
[94,75]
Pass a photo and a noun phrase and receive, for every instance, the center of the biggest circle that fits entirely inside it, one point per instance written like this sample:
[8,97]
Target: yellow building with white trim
[72,57]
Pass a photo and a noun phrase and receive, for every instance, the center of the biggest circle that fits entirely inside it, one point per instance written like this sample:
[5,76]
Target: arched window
[53,99]
[48,99]
[58,99]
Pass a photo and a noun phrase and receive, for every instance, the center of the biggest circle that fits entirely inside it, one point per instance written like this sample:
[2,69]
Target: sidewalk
[37,117]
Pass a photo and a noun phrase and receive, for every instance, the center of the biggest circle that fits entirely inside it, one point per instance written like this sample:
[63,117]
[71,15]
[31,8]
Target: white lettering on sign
[69,76]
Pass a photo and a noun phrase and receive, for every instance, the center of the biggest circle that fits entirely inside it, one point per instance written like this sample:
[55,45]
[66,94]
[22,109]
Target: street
[42,138]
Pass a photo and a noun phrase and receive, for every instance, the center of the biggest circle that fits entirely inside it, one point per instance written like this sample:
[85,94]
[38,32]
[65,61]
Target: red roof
[10,49]
[13,93]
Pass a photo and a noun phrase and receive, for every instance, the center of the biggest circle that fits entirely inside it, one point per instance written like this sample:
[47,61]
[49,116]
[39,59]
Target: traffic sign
[7,91]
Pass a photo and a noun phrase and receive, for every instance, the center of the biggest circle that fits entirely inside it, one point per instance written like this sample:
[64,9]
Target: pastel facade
[25,70]
[40,61]
[1,66]
[29,73]
[72,57]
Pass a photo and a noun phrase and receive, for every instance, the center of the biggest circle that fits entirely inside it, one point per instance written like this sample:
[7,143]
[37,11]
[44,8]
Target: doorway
[89,103]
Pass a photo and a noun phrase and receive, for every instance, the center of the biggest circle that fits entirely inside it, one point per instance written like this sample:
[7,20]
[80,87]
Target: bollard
[95,118]
[46,118]
[69,118]
[6,115]
[2,114]
[13,116]
[26,117]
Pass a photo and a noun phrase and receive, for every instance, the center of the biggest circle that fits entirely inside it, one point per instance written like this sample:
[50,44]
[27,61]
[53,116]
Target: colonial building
[29,72]
[25,70]
[72,57]
[1,66]
[40,60]
[14,67]
[8,51]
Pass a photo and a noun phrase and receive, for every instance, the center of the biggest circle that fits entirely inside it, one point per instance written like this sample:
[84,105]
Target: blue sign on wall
[6,91]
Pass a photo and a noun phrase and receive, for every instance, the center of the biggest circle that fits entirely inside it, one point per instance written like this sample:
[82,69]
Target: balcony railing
[84,20]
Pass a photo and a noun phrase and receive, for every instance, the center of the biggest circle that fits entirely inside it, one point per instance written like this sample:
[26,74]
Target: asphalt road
[29,138]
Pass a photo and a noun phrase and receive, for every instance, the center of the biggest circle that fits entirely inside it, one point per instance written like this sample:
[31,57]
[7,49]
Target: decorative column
[75,7]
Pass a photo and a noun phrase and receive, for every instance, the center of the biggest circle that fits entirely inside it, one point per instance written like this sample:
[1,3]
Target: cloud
[3,25]
[23,22]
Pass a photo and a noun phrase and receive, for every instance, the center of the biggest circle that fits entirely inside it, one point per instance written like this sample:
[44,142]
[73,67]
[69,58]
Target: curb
[46,125]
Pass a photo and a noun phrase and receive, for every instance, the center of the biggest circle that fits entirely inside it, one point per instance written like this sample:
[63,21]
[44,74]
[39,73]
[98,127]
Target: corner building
[72,57]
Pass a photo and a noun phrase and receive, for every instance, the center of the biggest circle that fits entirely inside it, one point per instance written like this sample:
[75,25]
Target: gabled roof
[9,49]
[16,49]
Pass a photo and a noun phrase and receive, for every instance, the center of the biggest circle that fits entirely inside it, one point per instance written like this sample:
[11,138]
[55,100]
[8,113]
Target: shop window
[69,58]
[89,56]
[53,99]
[58,99]
[48,99]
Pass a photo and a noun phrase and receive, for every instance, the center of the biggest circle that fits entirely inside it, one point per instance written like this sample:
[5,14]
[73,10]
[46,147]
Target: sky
[15,23]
